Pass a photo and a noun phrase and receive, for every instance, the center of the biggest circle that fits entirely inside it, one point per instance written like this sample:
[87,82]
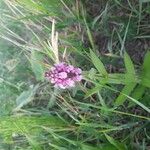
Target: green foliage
[126,90]
[27,126]
[109,109]
[102,147]
[98,64]
[49,7]
[146,70]
[117,144]
[130,78]
[130,71]
[37,66]
[25,97]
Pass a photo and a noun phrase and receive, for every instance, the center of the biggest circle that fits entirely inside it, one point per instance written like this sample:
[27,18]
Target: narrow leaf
[115,143]
[138,103]
[89,34]
[101,147]
[93,91]
[126,90]
[146,70]
[25,98]
[36,64]
[138,92]
[98,64]
[129,68]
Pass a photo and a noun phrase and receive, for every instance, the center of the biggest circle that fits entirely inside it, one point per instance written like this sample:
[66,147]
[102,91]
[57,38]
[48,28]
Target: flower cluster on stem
[63,75]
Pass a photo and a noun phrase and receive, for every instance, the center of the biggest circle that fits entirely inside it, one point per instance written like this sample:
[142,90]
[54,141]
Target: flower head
[63,75]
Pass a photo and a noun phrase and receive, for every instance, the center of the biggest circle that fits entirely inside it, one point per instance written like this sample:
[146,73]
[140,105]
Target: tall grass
[108,110]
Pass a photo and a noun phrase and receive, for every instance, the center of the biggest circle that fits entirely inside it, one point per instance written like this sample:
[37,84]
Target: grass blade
[146,70]
[129,68]
[98,64]
[126,90]
[36,65]
[115,143]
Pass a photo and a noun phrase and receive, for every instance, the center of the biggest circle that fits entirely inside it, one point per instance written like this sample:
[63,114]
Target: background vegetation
[109,41]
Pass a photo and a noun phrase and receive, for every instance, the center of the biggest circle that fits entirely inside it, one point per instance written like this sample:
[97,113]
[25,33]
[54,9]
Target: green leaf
[92,91]
[42,6]
[36,64]
[138,92]
[34,144]
[131,75]
[115,143]
[101,147]
[33,17]
[92,73]
[146,61]
[98,64]
[138,103]
[89,34]
[126,90]
[117,78]
[25,98]
[130,79]
[31,5]
[28,125]
[87,147]
[146,71]
[97,88]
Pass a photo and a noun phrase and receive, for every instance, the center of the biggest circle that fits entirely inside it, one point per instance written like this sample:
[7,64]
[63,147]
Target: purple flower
[63,75]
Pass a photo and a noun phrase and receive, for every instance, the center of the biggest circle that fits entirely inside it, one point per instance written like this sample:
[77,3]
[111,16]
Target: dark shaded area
[113,23]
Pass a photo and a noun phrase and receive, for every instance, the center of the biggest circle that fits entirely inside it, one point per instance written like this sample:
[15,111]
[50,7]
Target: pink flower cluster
[63,75]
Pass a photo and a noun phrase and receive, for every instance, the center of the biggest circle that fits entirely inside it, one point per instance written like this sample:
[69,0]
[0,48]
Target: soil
[135,47]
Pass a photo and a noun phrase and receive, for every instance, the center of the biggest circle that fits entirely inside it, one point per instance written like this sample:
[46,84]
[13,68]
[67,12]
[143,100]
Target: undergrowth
[109,108]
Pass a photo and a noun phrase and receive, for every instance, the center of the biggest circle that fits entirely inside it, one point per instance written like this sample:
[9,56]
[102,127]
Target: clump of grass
[29,128]
[108,109]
